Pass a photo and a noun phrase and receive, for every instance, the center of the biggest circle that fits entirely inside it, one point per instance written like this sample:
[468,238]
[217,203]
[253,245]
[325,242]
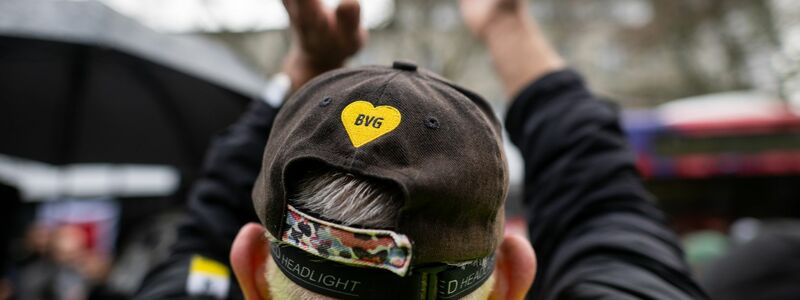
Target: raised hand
[322,38]
[520,52]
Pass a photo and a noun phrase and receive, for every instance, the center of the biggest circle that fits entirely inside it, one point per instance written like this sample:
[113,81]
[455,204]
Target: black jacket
[596,231]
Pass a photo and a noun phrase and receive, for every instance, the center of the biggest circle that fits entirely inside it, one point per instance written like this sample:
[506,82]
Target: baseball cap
[438,143]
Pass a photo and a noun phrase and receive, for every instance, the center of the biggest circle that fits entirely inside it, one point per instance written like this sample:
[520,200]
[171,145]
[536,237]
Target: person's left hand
[322,38]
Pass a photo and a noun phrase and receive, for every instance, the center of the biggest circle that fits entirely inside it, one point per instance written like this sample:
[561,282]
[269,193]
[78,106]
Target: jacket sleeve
[596,230]
[219,205]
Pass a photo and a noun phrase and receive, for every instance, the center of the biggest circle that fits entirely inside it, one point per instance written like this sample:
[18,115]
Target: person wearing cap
[388,183]
[383,183]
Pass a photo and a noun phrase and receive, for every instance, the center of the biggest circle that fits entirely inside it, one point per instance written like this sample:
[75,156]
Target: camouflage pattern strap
[383,249]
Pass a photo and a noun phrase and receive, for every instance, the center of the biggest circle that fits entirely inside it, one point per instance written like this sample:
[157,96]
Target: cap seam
[384,86]
[406,193]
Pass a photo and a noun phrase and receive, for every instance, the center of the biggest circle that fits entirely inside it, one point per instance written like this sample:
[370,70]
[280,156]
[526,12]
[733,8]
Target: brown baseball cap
[439,143]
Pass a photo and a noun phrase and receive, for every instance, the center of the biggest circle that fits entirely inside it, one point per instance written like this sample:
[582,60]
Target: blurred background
[108,106]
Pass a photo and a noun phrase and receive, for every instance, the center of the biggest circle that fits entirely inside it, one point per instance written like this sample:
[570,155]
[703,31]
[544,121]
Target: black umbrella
[80,83]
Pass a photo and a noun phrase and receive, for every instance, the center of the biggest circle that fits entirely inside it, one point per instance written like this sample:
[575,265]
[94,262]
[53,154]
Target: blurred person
[70,249]
[597,233]
[67,268]
[53,274]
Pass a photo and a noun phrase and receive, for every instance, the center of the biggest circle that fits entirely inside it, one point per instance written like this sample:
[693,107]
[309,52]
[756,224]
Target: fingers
[306,16]
[323,38]
[348,22]
[299,8]
[348,16]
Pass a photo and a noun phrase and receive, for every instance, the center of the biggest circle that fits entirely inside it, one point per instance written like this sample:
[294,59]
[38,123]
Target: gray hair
[348,199]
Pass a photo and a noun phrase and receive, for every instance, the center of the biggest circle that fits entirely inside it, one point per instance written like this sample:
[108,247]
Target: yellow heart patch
[365,123]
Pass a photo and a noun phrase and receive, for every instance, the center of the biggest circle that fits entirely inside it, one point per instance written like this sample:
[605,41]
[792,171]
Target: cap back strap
[382,249]
[437,281]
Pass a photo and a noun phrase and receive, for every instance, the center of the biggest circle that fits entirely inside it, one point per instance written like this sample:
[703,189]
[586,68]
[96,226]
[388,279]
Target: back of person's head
[350,200]
[383,183]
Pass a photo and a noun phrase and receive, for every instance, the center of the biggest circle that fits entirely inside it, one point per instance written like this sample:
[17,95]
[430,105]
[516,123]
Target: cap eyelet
[325,102]
[432,123]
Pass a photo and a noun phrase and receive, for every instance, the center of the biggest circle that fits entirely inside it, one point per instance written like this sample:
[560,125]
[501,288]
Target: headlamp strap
[354,282]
